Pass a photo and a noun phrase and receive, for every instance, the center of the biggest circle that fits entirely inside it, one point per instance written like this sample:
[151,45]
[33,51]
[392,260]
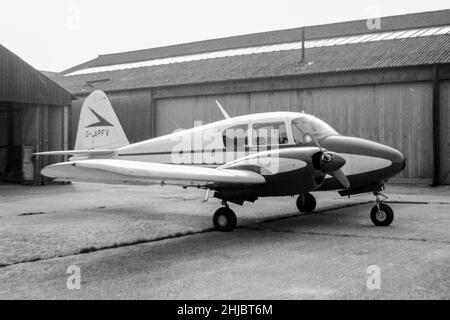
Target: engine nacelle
[287,171]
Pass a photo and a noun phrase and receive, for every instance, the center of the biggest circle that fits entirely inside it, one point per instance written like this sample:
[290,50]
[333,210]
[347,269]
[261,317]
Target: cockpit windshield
[309,125]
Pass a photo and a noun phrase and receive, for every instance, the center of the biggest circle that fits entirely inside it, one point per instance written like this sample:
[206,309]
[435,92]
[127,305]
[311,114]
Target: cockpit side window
[300,137]
[307,126]
[269,133]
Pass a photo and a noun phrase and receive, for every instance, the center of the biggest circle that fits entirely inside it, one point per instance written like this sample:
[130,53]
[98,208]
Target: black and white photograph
[250,152]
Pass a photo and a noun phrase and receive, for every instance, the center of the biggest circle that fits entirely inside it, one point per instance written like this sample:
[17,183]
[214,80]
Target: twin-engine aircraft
[237,159]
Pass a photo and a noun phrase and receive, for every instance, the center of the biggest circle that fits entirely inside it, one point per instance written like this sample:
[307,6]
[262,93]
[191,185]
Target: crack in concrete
[406,202]
[343,235]
[350,205]
[86,250]
[31,213]
[64,211]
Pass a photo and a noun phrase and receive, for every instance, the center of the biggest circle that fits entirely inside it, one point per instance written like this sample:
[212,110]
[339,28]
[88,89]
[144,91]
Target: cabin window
[236,137]
[270,133]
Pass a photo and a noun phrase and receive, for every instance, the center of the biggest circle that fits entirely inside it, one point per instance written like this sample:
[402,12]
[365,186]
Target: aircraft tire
[383,217]
[306,202]
[224,219]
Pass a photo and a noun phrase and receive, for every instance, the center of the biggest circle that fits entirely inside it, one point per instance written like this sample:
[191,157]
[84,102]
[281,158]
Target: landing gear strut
[224,219]
[381,214]
[306,202]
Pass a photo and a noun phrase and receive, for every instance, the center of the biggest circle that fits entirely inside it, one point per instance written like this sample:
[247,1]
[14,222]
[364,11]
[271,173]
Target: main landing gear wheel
[306,202]
[382,215]
[224,219]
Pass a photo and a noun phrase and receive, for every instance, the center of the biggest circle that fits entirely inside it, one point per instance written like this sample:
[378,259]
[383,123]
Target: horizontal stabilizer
[99,152]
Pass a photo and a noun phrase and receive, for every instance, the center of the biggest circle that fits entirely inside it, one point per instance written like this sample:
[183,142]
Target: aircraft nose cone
[335,162]
[397,159]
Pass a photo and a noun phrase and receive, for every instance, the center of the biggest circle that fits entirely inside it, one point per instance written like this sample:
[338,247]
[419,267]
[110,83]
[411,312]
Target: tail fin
[98,127]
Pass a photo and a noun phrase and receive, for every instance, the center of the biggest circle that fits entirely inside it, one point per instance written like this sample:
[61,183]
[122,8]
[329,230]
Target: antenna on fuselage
[225,114]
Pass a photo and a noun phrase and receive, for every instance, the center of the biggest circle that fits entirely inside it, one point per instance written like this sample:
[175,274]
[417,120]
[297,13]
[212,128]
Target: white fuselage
[204,145]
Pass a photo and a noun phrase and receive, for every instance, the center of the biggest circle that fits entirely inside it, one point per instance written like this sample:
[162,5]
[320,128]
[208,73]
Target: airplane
[238,159]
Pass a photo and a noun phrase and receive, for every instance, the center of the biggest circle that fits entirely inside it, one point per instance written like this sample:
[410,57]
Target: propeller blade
[316,142]
[340,176]
[326,156]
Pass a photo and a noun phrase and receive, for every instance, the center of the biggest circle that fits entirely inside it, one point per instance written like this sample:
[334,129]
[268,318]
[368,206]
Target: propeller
[340,176]
[331,163]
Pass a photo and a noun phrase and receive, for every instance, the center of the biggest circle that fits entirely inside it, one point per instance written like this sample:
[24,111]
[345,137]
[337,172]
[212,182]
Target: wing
[147,173]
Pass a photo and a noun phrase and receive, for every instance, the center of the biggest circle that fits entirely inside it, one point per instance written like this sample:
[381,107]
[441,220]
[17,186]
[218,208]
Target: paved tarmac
[158,243]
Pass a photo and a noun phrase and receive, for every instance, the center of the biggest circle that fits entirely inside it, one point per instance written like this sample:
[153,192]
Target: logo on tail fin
[102,122]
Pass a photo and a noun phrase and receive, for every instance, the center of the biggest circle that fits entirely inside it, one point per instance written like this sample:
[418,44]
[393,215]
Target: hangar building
[34,115]
[390,84]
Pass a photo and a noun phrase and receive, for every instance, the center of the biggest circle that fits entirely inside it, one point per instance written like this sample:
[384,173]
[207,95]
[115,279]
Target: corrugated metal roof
[371,37]
[20,82]
[408,21]
[351,57]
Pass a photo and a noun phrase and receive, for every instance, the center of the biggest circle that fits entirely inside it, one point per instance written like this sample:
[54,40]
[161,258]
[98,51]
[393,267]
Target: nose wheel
[306,202]
[381,214]
[224,219]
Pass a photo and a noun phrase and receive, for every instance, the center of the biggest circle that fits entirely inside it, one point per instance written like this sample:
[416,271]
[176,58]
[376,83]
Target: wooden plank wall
[32,136]
[42,129]
[445,131]
[398,115]
[55,132]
